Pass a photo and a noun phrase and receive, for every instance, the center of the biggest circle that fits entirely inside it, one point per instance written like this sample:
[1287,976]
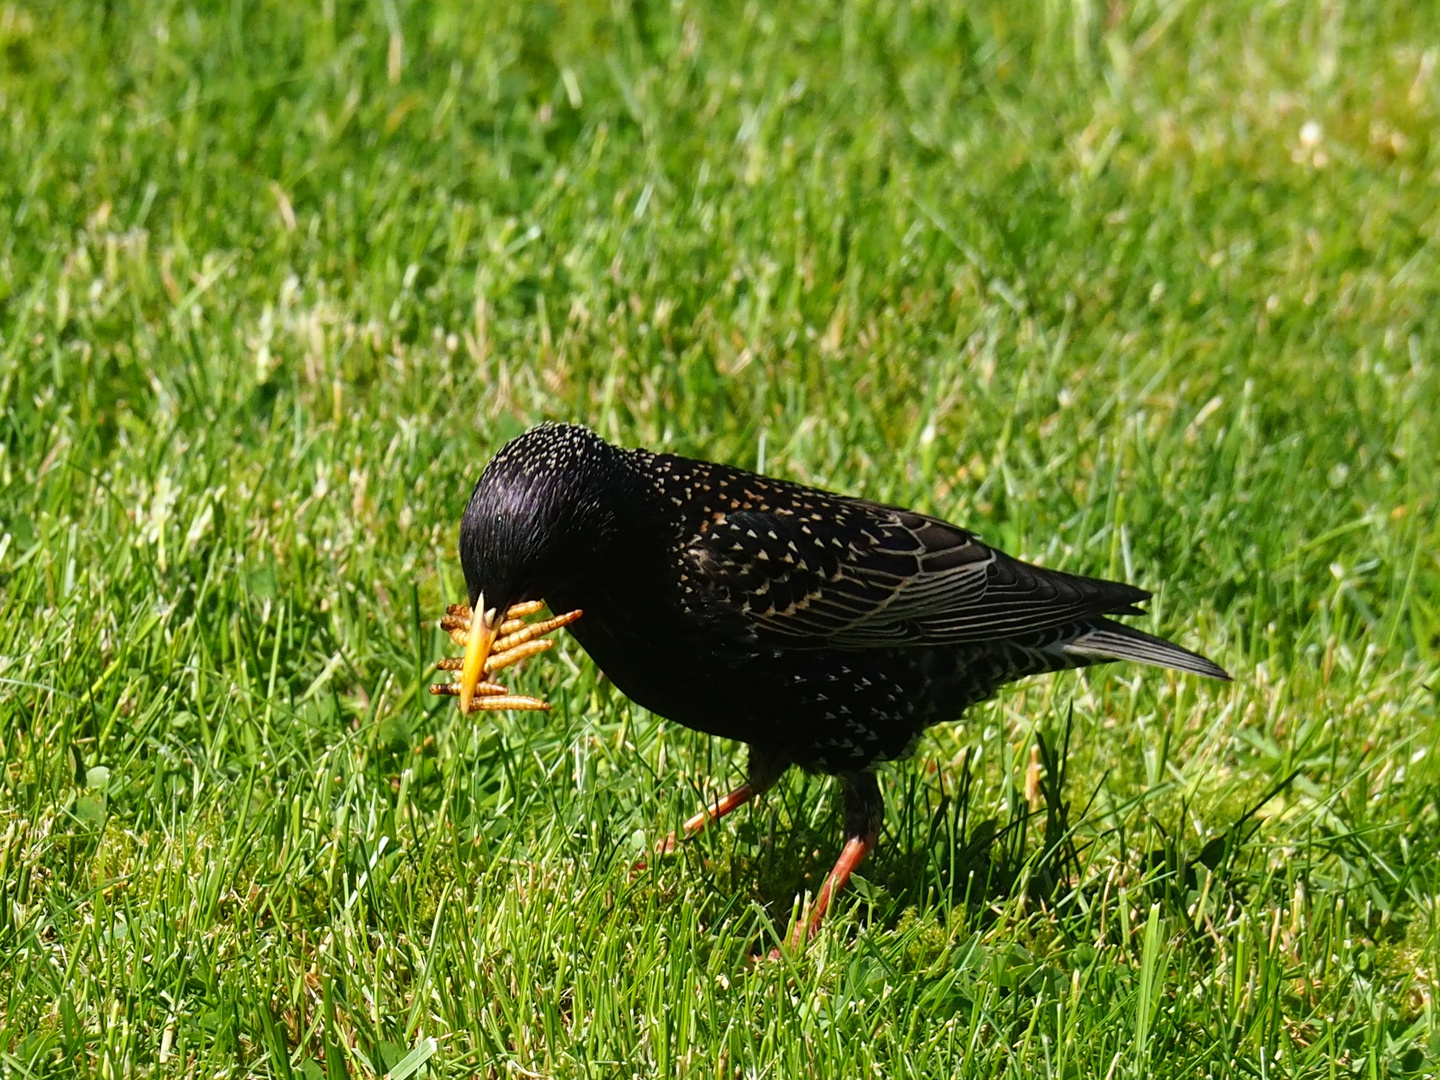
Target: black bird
[823,631]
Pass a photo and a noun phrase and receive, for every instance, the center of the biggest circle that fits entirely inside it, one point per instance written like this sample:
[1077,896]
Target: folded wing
[868,576]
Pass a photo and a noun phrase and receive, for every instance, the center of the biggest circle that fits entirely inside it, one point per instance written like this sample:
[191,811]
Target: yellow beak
[484,626]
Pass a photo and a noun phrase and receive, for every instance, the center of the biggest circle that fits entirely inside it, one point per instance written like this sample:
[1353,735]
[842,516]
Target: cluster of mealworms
[517,640]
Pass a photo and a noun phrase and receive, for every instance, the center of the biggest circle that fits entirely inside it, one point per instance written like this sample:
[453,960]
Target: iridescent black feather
[824,631]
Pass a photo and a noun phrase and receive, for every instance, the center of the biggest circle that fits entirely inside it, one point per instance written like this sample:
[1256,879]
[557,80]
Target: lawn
[1147,290]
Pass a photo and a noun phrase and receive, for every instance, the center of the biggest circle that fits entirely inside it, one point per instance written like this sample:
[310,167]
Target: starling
[823,631]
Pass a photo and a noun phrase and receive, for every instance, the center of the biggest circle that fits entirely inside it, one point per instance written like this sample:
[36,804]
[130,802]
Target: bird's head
[537,520]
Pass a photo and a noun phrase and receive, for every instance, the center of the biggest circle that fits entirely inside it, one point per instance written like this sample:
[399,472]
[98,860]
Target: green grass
[276,280]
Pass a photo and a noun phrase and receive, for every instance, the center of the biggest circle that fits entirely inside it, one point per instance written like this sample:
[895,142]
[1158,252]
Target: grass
[1149,290]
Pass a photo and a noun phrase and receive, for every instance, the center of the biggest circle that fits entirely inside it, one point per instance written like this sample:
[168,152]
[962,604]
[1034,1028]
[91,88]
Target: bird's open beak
[484,626]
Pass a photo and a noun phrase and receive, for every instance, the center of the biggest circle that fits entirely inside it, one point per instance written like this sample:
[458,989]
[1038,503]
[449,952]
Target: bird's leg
[864,813]
[761,775]
[707,814]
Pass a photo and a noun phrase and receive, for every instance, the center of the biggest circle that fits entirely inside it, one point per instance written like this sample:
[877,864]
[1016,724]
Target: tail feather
[1107,640]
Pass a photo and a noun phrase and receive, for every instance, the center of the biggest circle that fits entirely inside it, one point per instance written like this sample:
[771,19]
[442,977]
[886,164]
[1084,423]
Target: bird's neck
[625,563]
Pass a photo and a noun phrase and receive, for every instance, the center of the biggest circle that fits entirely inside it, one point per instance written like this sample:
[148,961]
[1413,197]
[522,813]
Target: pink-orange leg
[763,772]
[723,805]
[707,816]
[851,856]
[864,812]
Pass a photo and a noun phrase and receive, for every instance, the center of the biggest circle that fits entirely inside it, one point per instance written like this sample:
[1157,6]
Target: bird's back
[832,629]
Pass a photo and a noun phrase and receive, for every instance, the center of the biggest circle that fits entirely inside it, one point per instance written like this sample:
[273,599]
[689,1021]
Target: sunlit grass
[1147,291]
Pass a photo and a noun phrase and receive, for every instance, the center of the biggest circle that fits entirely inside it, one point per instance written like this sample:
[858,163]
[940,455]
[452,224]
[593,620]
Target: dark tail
[1107,640]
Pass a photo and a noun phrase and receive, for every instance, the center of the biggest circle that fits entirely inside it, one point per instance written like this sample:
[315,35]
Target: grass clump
[1147,291]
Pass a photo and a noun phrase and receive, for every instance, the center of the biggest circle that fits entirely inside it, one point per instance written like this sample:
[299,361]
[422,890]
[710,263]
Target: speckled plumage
[824,631]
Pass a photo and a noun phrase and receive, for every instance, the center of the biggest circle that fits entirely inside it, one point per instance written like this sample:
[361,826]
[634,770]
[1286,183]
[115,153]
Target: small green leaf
[91,810]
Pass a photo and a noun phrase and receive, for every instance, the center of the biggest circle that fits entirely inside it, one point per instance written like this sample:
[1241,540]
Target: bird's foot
[518,641]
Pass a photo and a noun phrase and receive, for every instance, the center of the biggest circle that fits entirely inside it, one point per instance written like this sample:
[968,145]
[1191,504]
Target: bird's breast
[659,661]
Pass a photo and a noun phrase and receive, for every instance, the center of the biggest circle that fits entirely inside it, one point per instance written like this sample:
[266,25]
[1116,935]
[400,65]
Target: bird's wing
[867,576]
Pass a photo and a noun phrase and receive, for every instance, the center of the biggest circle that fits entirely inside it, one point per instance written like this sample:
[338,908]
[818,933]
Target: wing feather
[870,576]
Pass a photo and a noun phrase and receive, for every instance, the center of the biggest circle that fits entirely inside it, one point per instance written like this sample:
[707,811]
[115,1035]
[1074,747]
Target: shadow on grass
[949,851]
